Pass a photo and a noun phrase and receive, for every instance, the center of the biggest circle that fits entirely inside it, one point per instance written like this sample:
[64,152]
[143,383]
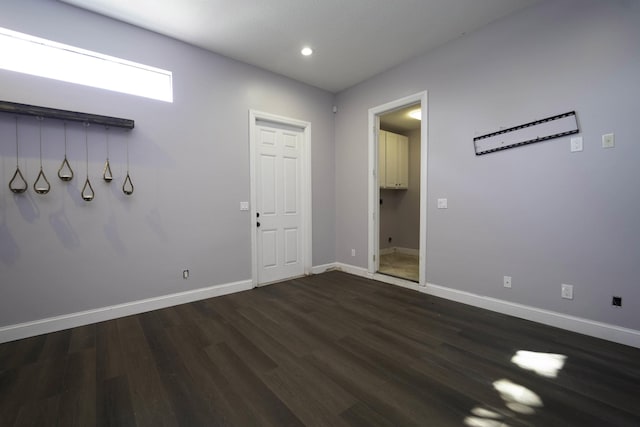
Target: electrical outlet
[185,274]
[353,252]
[507,281]
[567,291]
[616,301]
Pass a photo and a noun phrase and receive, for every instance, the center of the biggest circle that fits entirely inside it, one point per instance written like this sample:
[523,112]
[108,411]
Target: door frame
[374,188]
[305,205]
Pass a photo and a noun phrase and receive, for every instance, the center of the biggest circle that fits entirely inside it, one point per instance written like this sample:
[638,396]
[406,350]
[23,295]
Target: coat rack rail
[53,113]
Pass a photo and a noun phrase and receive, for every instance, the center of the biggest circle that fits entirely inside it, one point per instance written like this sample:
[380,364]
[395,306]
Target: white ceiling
[399,120]
[352,39]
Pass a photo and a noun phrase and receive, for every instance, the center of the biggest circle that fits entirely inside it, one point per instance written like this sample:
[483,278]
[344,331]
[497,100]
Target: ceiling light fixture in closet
[416,114]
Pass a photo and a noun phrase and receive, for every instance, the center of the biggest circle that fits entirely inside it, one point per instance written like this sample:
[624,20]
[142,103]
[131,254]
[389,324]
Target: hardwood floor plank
[365,383]
[115,408]
[217,397]
[361,415]
[333,397]
[80,370]
[82,338]
[44,379]
[299,394]
[269,410]
[189,407]
[331,349]
[281,332]
[109,358]
[8,379]
[148,398]
[21,352]
[77,406]
[38,412]
[447,406]
[56,345]
[250,353]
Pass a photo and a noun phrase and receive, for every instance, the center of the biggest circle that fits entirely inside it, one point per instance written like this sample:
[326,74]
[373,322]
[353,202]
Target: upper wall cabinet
[393,161]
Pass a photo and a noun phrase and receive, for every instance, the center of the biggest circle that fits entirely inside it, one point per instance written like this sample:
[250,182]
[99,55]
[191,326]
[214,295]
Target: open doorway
[398,161]
[399,182]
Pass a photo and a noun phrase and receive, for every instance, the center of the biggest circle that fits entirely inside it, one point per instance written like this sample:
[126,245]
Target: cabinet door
[382,159]
[402,171]
[392,160]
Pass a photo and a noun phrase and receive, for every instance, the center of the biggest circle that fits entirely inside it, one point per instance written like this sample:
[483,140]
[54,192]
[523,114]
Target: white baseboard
[408,251]
[580,325]
[363,272]
[605,331]
[630,337]
[317,269]
[352,269]
[58,323]
[394,249]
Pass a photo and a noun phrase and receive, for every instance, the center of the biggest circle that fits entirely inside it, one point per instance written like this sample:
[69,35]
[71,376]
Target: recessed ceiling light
[416,114]
[306,51]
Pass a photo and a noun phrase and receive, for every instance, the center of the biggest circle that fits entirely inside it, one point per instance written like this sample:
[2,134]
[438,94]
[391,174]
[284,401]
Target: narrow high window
[40,57]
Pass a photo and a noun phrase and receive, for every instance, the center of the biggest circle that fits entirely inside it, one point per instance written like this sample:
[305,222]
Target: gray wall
[541,214]
[409,235]
[391,222]
[189,163]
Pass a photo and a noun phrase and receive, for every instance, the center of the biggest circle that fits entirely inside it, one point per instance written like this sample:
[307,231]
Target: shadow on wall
[154,221]
[64,230]
[27,206]
[113,235]
[9,250]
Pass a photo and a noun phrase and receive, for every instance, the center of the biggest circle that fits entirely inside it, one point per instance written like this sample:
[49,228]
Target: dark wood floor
[327,350]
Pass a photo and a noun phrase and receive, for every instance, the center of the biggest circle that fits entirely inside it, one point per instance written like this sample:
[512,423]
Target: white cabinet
[393,161]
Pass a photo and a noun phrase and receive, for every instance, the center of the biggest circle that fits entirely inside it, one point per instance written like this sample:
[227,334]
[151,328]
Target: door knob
[258,223]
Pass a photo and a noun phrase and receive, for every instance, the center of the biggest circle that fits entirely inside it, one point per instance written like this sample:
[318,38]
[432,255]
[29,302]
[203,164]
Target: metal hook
[18,184]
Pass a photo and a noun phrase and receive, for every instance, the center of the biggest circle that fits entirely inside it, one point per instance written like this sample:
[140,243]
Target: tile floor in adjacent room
[399,264]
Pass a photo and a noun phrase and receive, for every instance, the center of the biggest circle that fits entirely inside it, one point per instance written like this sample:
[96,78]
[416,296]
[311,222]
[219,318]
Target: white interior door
[279,219]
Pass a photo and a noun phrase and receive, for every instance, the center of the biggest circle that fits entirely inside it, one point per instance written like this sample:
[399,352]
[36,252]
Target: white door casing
[374,187]
[280,195]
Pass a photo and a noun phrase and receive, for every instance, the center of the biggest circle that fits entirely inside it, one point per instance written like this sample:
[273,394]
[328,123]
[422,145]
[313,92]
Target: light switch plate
[442,203]
[244,206]
[576,144]
[608,140]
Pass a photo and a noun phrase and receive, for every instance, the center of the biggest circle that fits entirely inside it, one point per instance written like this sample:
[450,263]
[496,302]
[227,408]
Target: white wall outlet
[507,281]
[353,252]
[567,291]
[244,206]
[576,144]
[442,203]
[185,274]
[608,140]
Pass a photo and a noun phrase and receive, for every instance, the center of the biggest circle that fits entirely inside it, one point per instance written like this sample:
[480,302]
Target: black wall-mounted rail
[545,129]
[73,116]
